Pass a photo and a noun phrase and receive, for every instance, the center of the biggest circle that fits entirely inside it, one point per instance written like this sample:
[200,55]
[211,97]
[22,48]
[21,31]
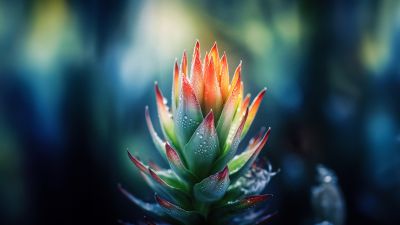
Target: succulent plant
[209,181]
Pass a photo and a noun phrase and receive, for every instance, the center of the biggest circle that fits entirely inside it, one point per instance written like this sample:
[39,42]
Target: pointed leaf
[176,212]
[253,110]
[170,179]
[170,189]
[165,116]
[212,98]
[254,141]
[158,142]
[188,115]
[215,57]
[231,146]
[241,163]
[202,148]
[213,187]
[196,76]
[177,164]
[196,49]
[184,64]
[163,182]
[175,87]
[224,83]
[235,78]
[228,113]
[143,168]
[237,126]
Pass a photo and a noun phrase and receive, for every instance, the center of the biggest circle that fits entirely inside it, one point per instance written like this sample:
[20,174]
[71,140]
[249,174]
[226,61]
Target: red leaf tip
[164,203]
[171,153]
[223,174]
[251,200]
[209,120]
[155,176]
[137,163]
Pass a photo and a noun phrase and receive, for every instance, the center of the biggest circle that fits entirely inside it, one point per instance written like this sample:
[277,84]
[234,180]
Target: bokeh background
[75,77]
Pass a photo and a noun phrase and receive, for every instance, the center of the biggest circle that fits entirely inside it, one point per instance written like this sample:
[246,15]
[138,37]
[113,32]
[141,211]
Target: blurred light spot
[382,148]
[339,108]
[288,25]
[257,37]
[162,29]
[379,39]
[380,129]
[375,54]
[52,37]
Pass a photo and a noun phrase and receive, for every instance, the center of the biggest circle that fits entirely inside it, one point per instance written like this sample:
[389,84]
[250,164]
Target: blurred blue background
[75,77]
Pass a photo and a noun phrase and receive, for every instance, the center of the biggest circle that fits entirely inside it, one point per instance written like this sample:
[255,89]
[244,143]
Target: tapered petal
[215,57]
[170,188]
[202,148]
[235,78]
[212,94]
[224,83]
[244,104]
[231,145]
[163,182]
[253,110]
[143,168]
[166,122]
[188,115]
[225,121]
[242,162]
[196,76]
[175,87]
[184,64]
[164,175]
[196,48]
[178,213]
[177,165]
[213,187]
[254,141]
[158,142]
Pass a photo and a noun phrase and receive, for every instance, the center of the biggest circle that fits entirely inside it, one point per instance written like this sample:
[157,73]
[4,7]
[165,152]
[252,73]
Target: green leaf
[213,187]
[202,148]
[165,117]
[230,107]
[188,114]
[158,142]
[231,145]
[241,163]
[177,164]
[164,182]
[178,213]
